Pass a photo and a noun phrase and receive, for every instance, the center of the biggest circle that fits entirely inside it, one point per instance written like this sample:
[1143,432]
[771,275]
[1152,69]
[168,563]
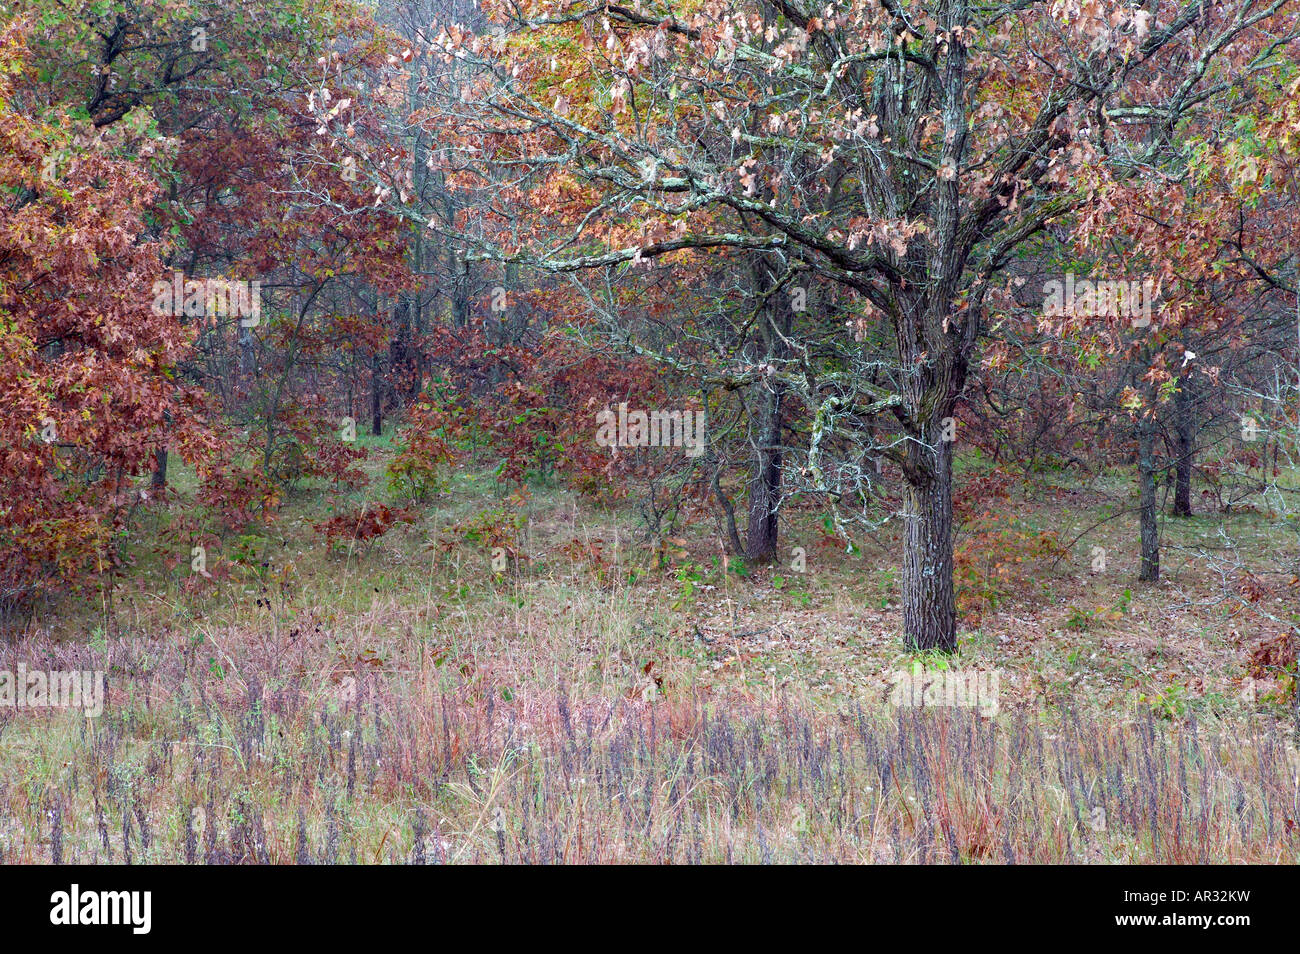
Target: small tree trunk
[159,481]
[421,360]
[1185,439]
[765,485]
[397,350]
[765,481]
[460,304]
[929,600]
[1183,481]
[247,354]
[1148,510]
[376,396]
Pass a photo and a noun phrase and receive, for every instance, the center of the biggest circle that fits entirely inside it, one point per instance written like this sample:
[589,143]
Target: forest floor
[405,701]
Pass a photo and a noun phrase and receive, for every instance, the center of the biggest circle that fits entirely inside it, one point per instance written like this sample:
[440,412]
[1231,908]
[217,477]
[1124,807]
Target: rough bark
[159,480]
[1148,509]
[460,289]
[247,354]
[764,490]
[929,599]
[728,512]
[376,396]
[765,485]
[934,346]
[1184,448]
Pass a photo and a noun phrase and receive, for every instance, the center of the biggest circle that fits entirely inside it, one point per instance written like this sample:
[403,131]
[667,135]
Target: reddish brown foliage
[364,525]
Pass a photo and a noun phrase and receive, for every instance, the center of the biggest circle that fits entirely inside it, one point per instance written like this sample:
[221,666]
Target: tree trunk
[376,396]
[397,349]
[460,304]
[159,481]
[1185,448]
[421,359]
[765,485]
[929,600]
[765,479]
[935,342]
[1148,509]
[247,354]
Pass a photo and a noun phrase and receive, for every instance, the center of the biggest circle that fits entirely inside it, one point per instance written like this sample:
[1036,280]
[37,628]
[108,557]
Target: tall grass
[404,772]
